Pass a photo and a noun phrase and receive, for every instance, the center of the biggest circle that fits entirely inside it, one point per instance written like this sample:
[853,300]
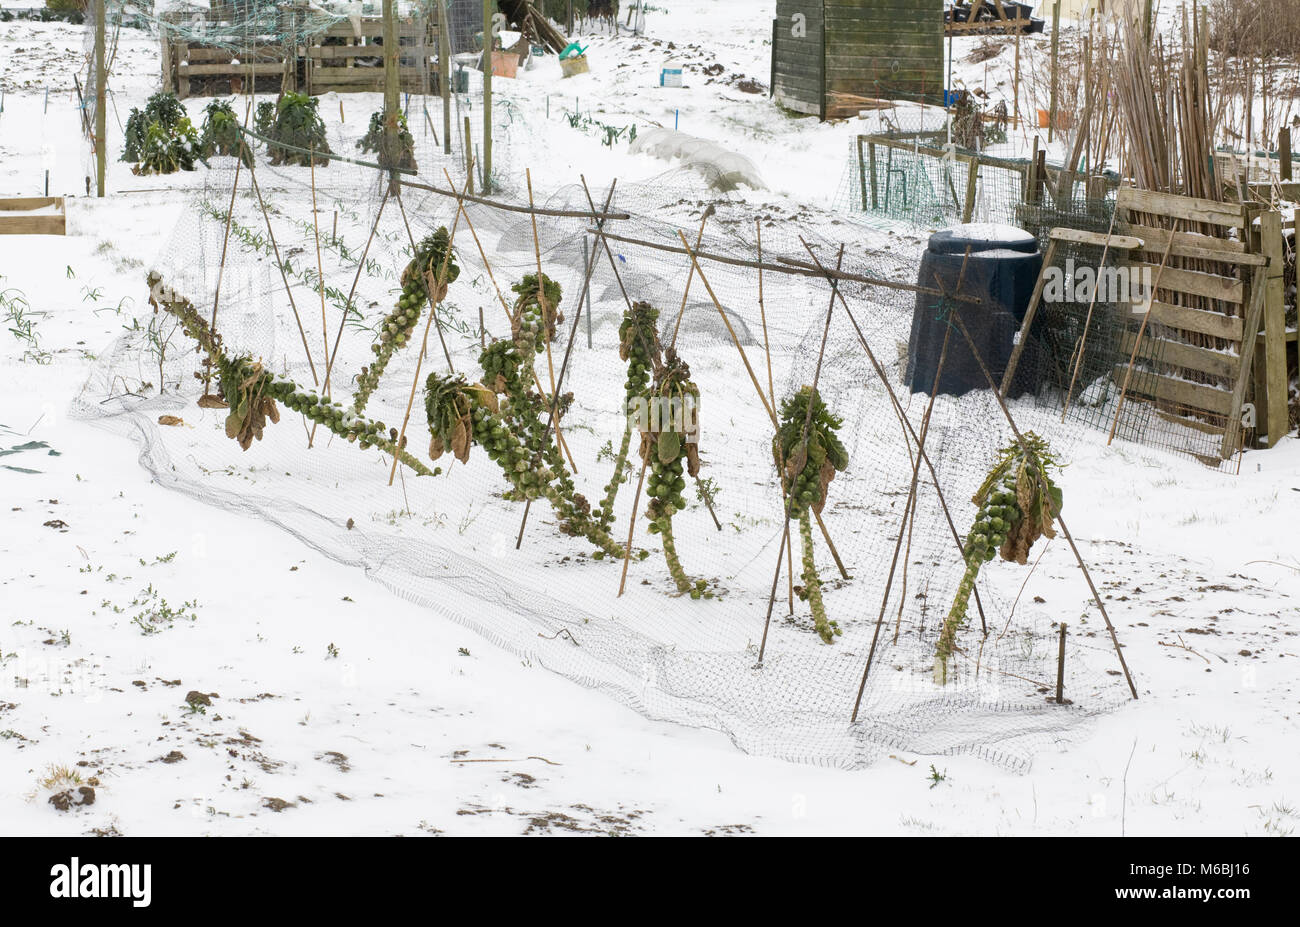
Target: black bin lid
[982,236]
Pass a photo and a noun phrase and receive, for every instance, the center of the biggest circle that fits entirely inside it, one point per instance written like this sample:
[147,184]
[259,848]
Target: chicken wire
[447,542]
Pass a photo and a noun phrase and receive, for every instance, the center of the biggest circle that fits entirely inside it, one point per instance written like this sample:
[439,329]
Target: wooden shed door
[798,61]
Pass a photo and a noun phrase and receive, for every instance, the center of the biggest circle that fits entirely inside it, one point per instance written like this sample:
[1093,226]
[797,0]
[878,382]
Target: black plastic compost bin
[993,295]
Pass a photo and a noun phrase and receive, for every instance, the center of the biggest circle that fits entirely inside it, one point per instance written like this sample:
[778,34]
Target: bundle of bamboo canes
[1164,101]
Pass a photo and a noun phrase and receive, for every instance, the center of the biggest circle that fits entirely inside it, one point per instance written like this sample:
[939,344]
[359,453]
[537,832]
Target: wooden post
[1274,415]
[1284,153]
[489,43]
[1060,669]
[469,154]
[586,265]
[101,80]
[1009,374]
[1015,89]
[972,175]
[444,76]
[1030,193]
[1055,77]
[875,195]
[391,146]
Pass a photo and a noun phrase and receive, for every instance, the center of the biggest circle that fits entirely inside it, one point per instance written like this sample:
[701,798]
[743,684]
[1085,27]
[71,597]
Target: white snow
[353,711]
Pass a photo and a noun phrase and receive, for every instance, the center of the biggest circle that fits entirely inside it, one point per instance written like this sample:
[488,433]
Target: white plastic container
[671,74]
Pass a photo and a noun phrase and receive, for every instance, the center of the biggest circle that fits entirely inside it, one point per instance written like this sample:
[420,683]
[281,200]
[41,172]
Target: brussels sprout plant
[1017,503]
[808,453]
[160,139]
[220,133]
[298,126]
[373,142]
[639,346]
[251,391]
[670,446]
[421,285]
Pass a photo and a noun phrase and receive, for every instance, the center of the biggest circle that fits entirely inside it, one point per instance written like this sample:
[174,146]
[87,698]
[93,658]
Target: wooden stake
[489,46]
[771,395]
[444,77]
[910,432]
[1055,76]
[690,278]
[1087,322]
[320,264]
[1060,669]
[469,155]
[541,299]
[225,244]
[275,249]
[101,131]
[1083,567]
[735,339]
[505,307]
[803,445]
[552,418]
[911,494]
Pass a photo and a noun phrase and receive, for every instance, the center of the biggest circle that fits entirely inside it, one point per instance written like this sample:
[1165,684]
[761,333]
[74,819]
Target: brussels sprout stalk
[1018,501]
[251,391]
[808,454]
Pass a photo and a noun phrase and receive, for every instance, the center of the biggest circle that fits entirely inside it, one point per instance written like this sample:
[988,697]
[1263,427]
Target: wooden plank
[370,28]
[1186,394]
[196,53]
[1194,282]
[1194,423]
[1274,417]
[1085,237]
[1252,324]
[1190,245]
[229,70]
[1182,207]
[1178,354]
[1188,319]
[15,223]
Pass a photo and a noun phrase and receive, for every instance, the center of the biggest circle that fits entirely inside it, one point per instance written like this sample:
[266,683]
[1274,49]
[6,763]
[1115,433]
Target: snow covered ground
[289,695]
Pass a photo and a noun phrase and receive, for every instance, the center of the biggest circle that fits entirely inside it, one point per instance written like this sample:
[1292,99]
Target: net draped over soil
[447,542]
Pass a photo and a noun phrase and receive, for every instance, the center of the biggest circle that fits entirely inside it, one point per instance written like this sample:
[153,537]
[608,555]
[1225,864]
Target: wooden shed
[829,55]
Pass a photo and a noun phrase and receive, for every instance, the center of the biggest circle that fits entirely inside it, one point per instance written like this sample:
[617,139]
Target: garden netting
[448,541]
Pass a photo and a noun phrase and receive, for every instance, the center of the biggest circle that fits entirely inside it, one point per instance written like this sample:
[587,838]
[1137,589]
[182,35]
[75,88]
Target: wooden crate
[33,215]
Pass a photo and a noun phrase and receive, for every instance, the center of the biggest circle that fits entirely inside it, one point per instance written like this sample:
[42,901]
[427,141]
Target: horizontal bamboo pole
[527,210]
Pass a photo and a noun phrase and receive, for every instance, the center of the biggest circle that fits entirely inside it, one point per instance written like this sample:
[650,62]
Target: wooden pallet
[342,57]
[21,217]
[1194,344]
[1202,320]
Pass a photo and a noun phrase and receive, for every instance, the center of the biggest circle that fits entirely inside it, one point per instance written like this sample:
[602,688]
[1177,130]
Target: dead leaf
[170,420]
